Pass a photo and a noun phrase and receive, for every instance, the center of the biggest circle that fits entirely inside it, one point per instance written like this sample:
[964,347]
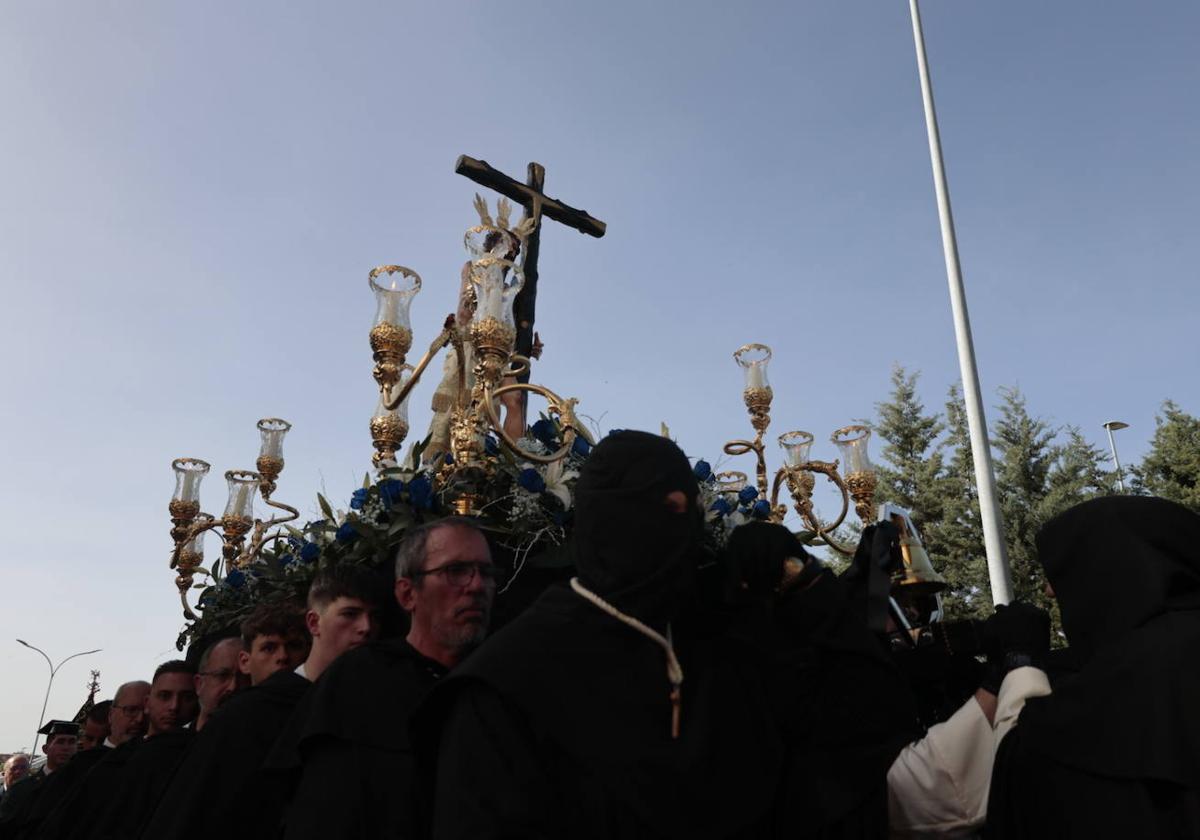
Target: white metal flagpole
[993,531]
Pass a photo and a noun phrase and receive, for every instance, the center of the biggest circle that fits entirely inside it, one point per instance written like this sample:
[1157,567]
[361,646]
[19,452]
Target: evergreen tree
[912,477]
[1024,446]
[1172,467]
[1076,475]
[961,558]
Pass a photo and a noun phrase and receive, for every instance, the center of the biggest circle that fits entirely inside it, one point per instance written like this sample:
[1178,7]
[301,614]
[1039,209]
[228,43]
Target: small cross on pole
[537,204]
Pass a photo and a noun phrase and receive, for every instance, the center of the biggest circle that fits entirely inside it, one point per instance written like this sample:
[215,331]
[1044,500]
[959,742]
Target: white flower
[556,478]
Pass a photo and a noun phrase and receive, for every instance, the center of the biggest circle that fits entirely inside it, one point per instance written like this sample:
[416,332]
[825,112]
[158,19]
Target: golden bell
[918,573]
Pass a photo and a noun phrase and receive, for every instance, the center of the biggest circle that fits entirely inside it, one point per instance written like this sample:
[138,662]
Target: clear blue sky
[191,196]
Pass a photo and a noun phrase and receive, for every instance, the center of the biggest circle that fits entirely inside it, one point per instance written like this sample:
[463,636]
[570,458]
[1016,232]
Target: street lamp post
[53,671]
[1116,426]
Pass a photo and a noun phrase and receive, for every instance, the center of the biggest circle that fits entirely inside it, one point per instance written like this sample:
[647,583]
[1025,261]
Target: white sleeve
[938,786]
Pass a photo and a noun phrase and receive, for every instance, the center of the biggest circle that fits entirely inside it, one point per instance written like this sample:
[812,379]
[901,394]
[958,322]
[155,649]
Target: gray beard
[463,638]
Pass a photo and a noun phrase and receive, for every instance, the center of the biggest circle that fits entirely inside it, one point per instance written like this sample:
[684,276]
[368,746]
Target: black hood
[628,546]
[1117,562]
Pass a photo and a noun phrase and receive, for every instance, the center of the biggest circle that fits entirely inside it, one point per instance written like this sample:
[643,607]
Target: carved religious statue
[499,241]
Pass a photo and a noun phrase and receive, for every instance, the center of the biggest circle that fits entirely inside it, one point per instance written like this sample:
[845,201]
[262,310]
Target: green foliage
[913,474]
[1024,455]
[1172,467]
[1076,474]
[961,557]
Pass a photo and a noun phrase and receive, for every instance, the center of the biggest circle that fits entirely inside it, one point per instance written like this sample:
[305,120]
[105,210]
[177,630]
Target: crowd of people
[661,692]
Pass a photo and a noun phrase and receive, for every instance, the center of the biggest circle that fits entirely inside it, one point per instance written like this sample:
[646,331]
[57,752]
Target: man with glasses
[62,739]
[217,677]
[127,717]
[614,706]
[113,800]
[127,721]
[222,781]
[351,750]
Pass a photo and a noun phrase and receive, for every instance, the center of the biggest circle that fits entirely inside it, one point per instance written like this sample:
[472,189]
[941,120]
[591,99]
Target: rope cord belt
[674,671]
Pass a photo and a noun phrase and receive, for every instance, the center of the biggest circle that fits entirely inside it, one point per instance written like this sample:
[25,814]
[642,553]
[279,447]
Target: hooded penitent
[1126,573]
[630,547]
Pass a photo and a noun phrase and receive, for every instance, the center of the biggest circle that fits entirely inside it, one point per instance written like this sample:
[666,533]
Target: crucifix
[537,204]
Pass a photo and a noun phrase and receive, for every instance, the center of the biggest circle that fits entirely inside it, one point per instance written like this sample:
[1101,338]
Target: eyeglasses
[223,674]
[461,574]
[132,710]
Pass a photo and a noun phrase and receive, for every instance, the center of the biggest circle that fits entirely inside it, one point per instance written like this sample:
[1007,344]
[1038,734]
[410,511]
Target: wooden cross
[537,204]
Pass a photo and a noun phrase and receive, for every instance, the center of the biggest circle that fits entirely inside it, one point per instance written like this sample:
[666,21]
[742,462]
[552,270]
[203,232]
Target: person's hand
[1019,628]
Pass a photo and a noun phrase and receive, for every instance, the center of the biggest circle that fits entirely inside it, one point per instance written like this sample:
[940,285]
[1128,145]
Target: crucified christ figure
[447,394]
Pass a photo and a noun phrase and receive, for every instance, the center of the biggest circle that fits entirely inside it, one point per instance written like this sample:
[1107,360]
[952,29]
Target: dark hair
[410,556]
[174,666]
[99,712]
[346,580]
[272,620]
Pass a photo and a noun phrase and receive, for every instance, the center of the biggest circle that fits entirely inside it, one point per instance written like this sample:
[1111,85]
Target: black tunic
[559,727]
[19,803]
[221,781]
[115,798]
[348,748]
[1115,750]
[59,786]
[844,712]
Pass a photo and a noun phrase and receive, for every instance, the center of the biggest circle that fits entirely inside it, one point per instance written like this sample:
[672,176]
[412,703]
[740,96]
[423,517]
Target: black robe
[347,747]
[844,712]
[221,781]
[19,803]
[1115,750]
[115,798]
[559,727]
[59,786]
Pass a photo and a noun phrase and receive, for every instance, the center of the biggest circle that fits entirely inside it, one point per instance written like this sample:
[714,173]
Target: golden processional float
[487,369]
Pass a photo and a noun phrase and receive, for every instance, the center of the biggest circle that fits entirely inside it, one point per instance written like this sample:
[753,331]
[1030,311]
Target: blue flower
[420,492]
[389,491]
[702,470]
[531,480]
[235,578]
[761,509]
[747,495]
[492,446]
[581,447]
[545,431]
[722,506]
[310,552]
[286,560]
[294,543]
[346,533]
[358,498]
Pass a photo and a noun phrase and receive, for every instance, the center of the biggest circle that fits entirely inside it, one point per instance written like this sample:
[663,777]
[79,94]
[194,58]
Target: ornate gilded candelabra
[799,470]
[237,522]
[491,281]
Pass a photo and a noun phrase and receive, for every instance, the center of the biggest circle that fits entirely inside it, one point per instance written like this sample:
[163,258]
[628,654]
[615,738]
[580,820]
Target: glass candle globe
[754,358]
[851,442]
[272,430]
[394,287]
[796,446]
[189,472]
[243,485]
